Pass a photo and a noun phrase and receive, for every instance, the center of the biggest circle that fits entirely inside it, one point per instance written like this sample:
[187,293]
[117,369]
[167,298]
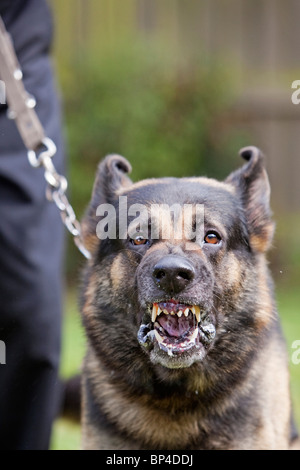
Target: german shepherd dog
[185,349]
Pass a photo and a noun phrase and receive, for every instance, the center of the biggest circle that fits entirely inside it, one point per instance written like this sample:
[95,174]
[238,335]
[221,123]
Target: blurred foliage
[164,115]
[285,253]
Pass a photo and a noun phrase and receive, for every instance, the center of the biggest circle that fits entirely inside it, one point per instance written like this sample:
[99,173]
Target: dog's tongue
[174,325]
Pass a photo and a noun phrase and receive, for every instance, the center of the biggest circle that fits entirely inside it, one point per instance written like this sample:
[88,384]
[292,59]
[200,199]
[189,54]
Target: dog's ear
[111,177]
[252,184]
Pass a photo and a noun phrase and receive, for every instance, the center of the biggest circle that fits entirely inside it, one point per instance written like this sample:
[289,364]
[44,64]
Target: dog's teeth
[166,312]
[154,313]
[172,313]
[158,337]
[179,313]
[194,335]
[158,310]
[186,312]
[196,311]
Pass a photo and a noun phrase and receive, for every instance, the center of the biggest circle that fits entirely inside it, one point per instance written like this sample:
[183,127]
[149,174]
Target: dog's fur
[232,391]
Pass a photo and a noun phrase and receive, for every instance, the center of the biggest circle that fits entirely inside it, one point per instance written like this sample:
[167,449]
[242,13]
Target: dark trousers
[31,248]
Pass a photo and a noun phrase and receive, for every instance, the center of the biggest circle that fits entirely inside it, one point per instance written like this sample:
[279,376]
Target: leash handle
[21,104]
[40,148]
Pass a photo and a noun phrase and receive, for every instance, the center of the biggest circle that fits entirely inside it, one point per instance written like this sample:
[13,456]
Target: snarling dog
[185,349]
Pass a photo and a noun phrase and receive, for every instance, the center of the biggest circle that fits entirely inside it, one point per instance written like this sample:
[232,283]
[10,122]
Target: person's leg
[31,252]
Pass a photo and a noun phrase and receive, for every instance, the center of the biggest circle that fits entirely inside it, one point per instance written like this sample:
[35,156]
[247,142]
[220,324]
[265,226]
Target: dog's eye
[212,238]
[139,241]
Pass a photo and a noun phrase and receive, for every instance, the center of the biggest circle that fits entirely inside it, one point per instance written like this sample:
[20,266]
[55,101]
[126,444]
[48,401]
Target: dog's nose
[173,274]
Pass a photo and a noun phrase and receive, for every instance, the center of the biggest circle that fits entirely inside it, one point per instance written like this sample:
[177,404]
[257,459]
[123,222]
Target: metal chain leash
[56,191]
[41,149]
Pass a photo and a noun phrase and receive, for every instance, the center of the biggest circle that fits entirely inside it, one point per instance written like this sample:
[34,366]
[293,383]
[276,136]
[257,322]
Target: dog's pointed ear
[111,177]
[252,184]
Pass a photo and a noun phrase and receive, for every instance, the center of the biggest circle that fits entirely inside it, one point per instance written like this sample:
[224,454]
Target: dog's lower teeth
[177,346]
[194,335]
[186,312]
[158,337]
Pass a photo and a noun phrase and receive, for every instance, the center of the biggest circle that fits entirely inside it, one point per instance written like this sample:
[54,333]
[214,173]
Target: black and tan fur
[237,395]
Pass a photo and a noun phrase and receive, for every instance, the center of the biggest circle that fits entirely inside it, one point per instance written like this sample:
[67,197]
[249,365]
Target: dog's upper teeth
[154,312]
[196,311]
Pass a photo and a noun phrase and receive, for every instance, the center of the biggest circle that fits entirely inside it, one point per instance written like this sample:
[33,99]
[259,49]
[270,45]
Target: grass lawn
[66,434]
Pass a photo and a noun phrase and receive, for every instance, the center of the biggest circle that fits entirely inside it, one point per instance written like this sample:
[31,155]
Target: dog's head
[176,263]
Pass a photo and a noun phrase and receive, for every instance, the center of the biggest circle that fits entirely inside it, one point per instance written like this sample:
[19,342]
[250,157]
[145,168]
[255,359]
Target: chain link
[21,108]
[56,191]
